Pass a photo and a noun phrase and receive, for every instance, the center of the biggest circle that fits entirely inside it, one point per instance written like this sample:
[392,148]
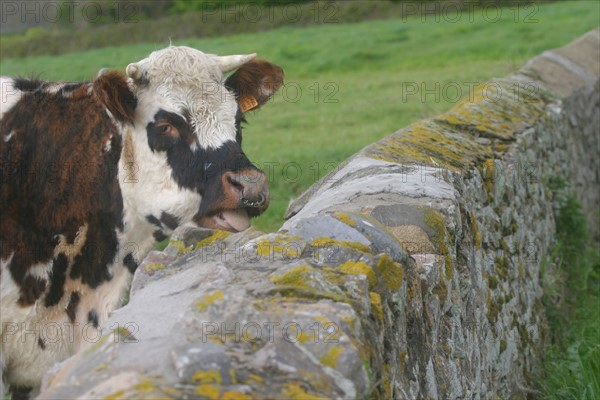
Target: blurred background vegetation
[48,27]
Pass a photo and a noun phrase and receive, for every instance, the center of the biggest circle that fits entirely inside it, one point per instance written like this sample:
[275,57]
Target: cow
[95,173]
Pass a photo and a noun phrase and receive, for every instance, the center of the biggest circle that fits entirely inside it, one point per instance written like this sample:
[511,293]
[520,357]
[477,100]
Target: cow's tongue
[236,220]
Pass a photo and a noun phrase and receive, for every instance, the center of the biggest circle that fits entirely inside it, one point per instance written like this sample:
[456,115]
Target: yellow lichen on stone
[492,110]
[233,376]
[183,249]
[294,277]
[359,268]
[209,299]
[402,360]
[115,396]
[215,237]
[376,306]
[296,392]
[521,271]
[496,112]
[489,176]
[98,344]
[154,267]
[345,218]
[122,334]
[387,389]
[476,233]
[330,358]
[304,337]
[209,391]
[284,245]
[390,271]
[333,275]
[435,221]
[256,378]
[233,395]
[101,367]
[431,143]
[328,242]
[210,376]
[348,320]
[145,385]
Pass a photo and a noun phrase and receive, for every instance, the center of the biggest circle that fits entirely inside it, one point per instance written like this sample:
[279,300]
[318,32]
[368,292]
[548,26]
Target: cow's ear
[254,83]
[114,92]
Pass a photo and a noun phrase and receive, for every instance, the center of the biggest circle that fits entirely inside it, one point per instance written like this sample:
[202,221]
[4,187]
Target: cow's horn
[134,71]
[227,63]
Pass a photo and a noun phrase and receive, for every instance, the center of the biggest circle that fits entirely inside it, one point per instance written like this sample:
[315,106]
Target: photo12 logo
[270,331]
[68,11]
[470,11]
[268,11]
[48,333]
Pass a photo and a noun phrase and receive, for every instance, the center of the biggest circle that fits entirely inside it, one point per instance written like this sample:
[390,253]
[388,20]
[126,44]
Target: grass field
[572,299]
[347,84]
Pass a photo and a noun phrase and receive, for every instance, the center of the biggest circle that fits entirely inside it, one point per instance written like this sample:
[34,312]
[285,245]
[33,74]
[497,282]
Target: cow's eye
[168,130]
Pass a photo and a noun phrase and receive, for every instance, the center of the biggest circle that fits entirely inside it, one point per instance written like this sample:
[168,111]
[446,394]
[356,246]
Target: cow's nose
[249,186]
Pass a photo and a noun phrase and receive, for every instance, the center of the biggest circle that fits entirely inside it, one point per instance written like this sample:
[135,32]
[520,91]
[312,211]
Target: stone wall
[412,271]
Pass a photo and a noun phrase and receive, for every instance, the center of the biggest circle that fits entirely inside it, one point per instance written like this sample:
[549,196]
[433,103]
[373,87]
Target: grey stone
[326,226]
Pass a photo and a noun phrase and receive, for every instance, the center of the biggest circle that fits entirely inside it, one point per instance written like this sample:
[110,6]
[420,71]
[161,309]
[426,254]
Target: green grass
[359,70]
[572,365]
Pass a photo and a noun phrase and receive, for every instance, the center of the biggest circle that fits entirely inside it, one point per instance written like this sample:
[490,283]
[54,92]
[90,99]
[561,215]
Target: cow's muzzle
[245,195]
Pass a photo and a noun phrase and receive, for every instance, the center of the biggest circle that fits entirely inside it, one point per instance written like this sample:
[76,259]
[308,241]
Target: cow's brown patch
[71,309]
[255,82]
[31,290]
[112,90]
[57,154]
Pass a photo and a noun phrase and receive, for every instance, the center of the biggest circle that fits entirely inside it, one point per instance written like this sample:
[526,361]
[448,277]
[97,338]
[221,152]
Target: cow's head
[182,159]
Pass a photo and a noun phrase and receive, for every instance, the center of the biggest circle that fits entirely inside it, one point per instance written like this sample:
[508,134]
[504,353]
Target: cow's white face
[182,159]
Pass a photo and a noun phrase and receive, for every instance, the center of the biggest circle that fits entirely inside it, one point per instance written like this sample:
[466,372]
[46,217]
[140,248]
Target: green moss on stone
[501,267]
[447,349]
[504,246]
[524,335]
[391,272]
[493,309]
[441,291]
[514,227]
[493,282]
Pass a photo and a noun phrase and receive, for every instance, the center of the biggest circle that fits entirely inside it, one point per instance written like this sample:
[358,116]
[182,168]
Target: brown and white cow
[94,173]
